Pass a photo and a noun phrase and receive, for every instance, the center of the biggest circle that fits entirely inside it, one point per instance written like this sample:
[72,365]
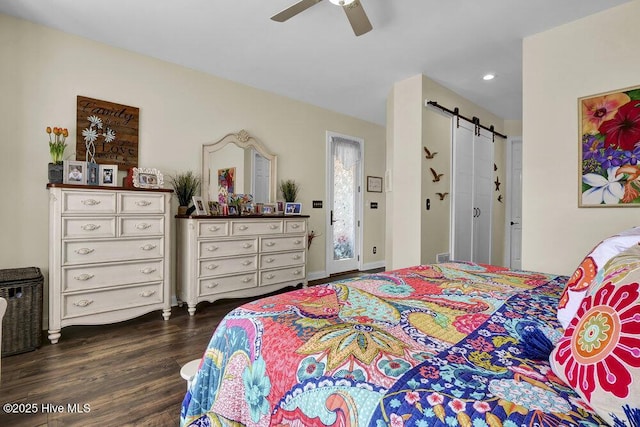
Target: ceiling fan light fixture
[342,2]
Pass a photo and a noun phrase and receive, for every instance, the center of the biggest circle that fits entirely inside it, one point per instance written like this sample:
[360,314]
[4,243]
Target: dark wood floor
[126,373]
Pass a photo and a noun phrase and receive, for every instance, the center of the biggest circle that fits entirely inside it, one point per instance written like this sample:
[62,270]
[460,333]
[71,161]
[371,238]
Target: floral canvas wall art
[610,149]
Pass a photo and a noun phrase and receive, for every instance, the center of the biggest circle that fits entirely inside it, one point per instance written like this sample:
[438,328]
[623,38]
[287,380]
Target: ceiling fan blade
[357,18]
[292,11]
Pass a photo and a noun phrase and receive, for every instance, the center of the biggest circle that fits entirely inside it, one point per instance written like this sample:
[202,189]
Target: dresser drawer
[295,226]
[81,202]
[136,203]
[141,226]
[88,227]
[275,244]
[271,277]
[217,267]
[74,305]
[210,249]
[228,283]
[285,259]
[213,229]
[97,276]
[243,228]
[86,251]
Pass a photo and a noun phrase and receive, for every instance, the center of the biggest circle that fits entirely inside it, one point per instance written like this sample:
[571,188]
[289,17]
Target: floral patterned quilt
[436,345]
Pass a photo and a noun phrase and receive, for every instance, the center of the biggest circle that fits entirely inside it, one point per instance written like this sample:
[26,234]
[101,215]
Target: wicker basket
[22,324]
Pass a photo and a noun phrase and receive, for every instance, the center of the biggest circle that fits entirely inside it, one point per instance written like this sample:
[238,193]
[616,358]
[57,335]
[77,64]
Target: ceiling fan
[355,13]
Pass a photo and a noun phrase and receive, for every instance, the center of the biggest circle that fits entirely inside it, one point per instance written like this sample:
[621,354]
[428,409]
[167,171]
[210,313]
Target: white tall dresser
[109,251]
[233,257]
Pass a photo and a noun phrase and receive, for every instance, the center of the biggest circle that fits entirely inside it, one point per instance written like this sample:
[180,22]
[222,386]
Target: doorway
[345,156]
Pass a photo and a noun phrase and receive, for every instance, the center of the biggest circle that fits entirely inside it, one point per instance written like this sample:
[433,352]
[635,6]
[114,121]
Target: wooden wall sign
[113,130]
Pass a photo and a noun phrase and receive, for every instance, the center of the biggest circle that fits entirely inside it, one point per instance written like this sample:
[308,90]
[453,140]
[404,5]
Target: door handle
[331,221]
[514,223]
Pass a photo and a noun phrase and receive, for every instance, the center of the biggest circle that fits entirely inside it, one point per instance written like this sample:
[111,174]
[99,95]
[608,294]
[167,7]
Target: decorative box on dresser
[232,257]
[109,253]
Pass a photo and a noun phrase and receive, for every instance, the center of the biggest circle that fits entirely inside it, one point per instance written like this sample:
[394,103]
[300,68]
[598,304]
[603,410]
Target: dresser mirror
[241,163]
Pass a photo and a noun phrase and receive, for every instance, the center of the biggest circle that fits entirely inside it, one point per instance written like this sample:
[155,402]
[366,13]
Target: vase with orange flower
[57,144]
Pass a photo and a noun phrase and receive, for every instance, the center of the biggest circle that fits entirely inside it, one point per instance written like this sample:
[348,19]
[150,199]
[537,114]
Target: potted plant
[57,145]
[289,189]
[185,185]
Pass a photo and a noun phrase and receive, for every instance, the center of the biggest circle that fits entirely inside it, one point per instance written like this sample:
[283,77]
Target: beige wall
[589,56]
[415,235]
[180,109]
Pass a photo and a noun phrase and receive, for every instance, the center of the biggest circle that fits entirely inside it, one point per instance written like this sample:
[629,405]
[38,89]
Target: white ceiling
[315,57]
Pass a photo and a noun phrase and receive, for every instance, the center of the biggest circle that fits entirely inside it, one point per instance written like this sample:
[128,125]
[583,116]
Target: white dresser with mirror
[239,256]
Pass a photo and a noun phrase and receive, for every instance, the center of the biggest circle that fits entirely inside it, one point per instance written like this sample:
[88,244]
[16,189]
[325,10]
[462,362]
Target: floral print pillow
[599,354]
[584,276]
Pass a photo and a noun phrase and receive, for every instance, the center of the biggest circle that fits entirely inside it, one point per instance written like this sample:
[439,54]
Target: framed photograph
[214,208]
[291,208]
[233,210]
[93,172]
[269,209]
[108,175]
[75,172]
[374,184]
[280,206]
[609,132]
[201,207]
[147,178]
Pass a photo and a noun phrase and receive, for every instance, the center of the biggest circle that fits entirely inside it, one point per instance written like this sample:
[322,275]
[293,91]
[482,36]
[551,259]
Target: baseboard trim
[316,275]
[373,265]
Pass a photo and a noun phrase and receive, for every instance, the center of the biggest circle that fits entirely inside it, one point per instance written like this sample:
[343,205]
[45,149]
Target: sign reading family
[610,149]
[107,133]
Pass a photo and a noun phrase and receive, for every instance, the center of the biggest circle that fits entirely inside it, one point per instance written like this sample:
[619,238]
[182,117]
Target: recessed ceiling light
[488,76]
[342,2]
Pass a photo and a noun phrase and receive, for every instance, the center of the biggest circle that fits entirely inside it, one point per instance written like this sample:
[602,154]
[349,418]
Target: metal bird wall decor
[428,154]
[442,195]
[436,175]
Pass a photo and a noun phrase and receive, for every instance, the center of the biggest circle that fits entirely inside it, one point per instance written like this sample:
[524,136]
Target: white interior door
[344,178]
[482,196]
[462,211]
[514,204]
[472,195]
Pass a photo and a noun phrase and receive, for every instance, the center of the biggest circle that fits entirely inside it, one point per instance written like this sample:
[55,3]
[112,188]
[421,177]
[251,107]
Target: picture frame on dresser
[291,208]
[108,175]
[147,178]
[74,172]
[201,206]
[93,172]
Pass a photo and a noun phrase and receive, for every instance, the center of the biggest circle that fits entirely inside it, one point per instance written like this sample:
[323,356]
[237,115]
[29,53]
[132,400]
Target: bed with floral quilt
[450,344]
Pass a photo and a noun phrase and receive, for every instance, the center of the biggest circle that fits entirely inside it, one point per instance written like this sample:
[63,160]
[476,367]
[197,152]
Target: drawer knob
[214,228]
[90,227]
[143,203]
[270,276]
[247,262]
[212,248]
[90,202]
[212,267]
[147,270]
[273,226]
[295,225]
[297,242]
[247,279]
[84,251]
[243,227]
[143,226]
[269,244]
[297,272]
[147,293]
[83,303]
[84,276]
[269,260]
[247,245]
[212,285]
[148,247]
[297,256]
